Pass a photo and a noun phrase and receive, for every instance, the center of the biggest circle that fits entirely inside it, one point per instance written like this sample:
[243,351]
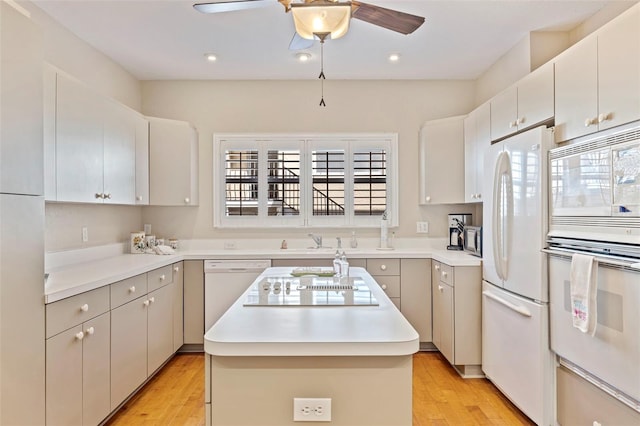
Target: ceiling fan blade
[299,43]
[401,22]
[229,5]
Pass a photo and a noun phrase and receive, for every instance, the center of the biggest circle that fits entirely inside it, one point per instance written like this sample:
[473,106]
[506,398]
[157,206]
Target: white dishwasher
[224,282]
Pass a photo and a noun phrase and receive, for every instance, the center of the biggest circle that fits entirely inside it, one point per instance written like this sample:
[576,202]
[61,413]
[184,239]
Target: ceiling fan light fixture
[303,56]
[321,16]
[210,57]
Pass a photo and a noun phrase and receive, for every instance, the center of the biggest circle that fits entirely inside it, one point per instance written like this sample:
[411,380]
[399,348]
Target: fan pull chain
[321,76]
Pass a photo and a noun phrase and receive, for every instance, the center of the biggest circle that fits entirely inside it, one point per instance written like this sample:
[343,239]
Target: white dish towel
[584,283]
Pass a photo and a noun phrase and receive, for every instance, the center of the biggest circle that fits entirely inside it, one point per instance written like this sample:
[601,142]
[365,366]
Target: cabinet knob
[138,197]
[440,288]
[383,267]
[589,121]
[176,269]
[427,199]
[107,195]
[437,267]
[162,277]
[90,330]
[132,289]
[84,308]
[146,303]
[513,124]
[444,274]
[152,299]
[478,196]
[98,195]
[520,120]
[603,117]
[187,200]
[79,335]
[473,196]
[384,286]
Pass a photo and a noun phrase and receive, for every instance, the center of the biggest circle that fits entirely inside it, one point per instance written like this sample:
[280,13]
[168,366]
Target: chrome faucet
[317,239]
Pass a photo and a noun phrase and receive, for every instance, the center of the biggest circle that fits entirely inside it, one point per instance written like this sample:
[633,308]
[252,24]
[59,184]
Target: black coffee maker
[457,222]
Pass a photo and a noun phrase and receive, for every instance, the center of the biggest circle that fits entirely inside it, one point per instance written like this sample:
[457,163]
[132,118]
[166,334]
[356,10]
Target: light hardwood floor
[175,396]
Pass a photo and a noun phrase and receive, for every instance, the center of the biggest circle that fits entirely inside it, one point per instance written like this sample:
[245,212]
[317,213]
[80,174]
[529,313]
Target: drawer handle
[146,303]
[79,335]
[161,277]
[90,330]
[152,299]
[427,199]
[383,267]
[139,198]
[440,288]
[84,308]
[444,274]
[132,289]
[176,269]
[384,287]
[187,200]
[437,267]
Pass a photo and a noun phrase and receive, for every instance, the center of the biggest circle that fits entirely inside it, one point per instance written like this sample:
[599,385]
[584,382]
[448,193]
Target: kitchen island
[259,357]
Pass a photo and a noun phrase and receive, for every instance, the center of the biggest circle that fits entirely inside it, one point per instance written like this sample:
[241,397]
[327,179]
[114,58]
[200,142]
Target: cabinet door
[504,113]
[445,295]
[178,307]
[415,282]
[21,151]
[119,139]
[442,161]
[194,302]
[576,93]
[142,160]
[483,143]
[96,373]
[173,163]
[79,157]
[435,304]
[64,378]
[49,131]
[619,70]
[535,97]
[128,349]
[470,158]
[160,327]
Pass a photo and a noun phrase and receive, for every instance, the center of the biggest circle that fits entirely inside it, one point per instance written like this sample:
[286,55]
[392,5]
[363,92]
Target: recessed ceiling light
[210,57]
[303,56]
[394,57]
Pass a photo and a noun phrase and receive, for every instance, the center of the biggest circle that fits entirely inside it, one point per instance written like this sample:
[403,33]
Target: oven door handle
[519,309]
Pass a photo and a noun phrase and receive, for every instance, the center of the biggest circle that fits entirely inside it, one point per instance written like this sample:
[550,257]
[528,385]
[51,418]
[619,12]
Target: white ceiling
[167,39]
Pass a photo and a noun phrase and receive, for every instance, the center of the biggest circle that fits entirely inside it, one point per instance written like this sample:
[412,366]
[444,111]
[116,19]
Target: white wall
[292,106]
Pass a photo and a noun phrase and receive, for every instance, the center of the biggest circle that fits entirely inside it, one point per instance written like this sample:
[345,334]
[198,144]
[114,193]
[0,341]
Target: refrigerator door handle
[502,169]
[519,309]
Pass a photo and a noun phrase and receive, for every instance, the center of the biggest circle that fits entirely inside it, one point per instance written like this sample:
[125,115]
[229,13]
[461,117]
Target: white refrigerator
[515,309]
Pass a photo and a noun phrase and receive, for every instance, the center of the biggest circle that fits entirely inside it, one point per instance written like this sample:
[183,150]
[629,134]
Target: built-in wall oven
[594,205]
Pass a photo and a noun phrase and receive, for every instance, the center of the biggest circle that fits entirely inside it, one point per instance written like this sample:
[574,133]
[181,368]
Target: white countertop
[96,269]
[313,331]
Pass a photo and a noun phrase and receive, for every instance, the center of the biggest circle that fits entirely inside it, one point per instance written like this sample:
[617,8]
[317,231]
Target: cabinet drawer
[383,266]
[390,285]
[159,278]
[74,310]
[445,272]
[126,290]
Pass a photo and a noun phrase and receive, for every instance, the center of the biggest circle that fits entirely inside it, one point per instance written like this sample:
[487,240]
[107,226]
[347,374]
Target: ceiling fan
[336,15]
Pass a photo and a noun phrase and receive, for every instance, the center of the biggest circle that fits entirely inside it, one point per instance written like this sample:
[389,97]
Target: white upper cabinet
[173,163]
[20,104]
[442,161]
[96,149]
[477,138]
[527,103]
[598,79]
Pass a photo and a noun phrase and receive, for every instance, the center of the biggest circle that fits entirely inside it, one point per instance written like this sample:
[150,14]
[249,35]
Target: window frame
[306,143]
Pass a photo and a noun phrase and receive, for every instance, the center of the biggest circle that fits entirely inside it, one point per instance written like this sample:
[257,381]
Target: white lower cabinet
[457,314]
[103,344]
[78,374]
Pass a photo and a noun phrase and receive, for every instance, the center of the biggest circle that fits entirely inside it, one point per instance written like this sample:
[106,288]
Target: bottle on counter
[354,241]
[337,266]
[344,265]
